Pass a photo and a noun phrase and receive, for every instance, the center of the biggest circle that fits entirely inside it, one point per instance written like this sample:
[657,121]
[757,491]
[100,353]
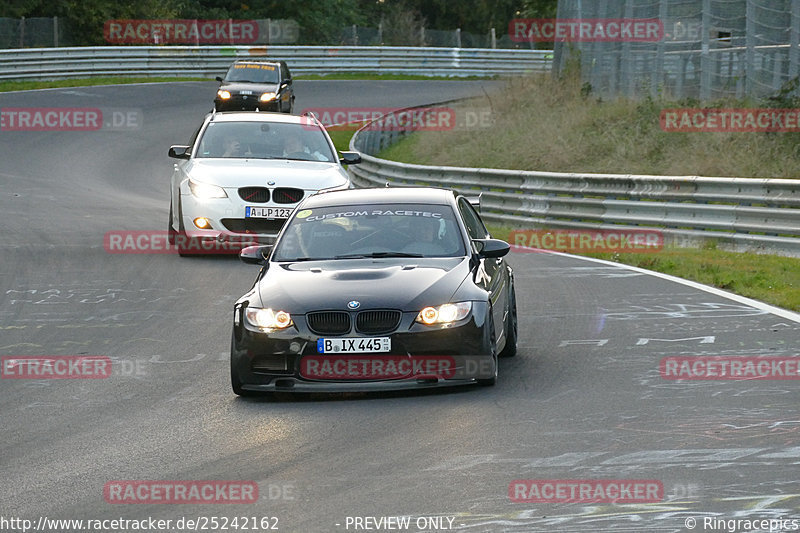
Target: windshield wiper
[377,254]
[300,259]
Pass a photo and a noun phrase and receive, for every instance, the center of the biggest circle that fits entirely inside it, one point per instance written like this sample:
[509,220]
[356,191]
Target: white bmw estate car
[242,175]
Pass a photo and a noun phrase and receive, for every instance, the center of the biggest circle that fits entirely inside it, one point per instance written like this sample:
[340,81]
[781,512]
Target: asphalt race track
[583,400]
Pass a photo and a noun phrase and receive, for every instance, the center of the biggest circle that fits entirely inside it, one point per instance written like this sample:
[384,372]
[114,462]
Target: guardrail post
[750,44]
[705,58]
[794,39]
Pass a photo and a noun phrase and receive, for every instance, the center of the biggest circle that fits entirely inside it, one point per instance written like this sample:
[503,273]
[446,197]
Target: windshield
[253,72]
[390,230]
[261,140]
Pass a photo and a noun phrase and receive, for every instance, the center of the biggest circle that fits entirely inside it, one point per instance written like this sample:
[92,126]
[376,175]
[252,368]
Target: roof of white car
[260,116]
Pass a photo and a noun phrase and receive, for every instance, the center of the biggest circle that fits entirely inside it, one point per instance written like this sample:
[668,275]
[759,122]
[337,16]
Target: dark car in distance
[375,289]
[253,85]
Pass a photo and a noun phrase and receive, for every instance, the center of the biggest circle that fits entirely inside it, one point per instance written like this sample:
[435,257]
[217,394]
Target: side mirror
[491,247]
[255,255]
[218,78]
[179,151]
[350,158]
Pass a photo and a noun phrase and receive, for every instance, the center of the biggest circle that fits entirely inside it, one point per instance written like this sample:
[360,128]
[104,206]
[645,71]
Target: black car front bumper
[279,360]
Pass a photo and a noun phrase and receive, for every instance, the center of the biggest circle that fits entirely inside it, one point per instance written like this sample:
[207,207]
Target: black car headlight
[224,95]
[267,97]
[267,318]
[444,314]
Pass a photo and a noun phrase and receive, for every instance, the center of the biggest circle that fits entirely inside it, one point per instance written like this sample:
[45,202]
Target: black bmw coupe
[375,289]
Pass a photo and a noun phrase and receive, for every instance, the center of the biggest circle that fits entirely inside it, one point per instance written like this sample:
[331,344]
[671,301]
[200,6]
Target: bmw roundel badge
[353,304]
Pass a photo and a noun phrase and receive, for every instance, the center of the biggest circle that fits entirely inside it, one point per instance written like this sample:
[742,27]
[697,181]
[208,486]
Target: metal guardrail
[742,213]
[210,61]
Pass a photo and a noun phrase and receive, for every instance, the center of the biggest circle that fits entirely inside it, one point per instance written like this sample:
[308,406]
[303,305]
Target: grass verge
[6,86]
[539,123]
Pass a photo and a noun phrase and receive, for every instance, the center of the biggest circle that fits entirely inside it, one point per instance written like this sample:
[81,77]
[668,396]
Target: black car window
[285,76]
[253,72]
[340,232]
[475,226]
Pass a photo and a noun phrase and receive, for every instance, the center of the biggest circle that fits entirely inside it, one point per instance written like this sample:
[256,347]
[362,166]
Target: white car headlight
[267,318]
[223,94]
[266,97]
[444,314]
[204,191]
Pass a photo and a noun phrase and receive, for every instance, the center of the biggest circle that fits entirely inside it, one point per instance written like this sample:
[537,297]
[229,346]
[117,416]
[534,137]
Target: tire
[291,106]
[182,232]
[489,382]
[510,349]
[170,229]
[236,383]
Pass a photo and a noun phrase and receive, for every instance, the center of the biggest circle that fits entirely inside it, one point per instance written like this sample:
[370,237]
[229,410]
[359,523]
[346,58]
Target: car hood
[409,284]
[255,87]
[309,175]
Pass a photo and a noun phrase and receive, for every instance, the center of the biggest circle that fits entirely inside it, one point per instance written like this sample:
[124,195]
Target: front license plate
[267,212]
[355,345]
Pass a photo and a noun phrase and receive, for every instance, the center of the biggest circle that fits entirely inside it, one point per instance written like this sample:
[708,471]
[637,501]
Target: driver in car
[295,148]
[425,232]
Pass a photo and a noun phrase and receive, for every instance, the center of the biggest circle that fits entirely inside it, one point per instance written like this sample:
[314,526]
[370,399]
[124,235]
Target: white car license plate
[355,345]
[267,212]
